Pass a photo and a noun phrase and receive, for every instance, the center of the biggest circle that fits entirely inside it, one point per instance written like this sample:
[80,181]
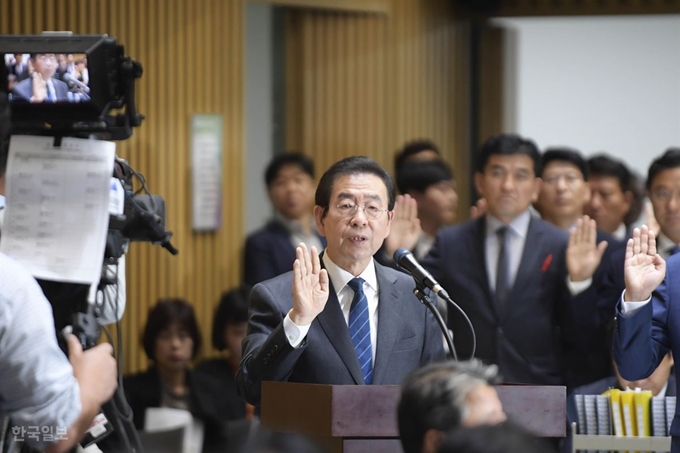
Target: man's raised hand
[310,286]
[644,269]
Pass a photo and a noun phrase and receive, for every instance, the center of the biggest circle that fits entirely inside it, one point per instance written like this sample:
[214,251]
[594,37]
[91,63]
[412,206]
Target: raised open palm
[310,286]
[644,269]
[584,254]
[405,228]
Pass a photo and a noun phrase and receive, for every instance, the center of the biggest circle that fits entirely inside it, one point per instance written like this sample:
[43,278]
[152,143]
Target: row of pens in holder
[629,413]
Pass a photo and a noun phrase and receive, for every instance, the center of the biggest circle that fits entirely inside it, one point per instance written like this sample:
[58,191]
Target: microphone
[406,260]
[68,78]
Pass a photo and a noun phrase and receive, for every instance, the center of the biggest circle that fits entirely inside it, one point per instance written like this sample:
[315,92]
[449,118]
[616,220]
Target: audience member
[416,151]
[270,251]
[637,205]
[500,438]
[663,187]
[443,396]
[229,329]
[612,195]
[508,270]
[561,201]
[432,186]
[372,330]
[565,191]
[171,341]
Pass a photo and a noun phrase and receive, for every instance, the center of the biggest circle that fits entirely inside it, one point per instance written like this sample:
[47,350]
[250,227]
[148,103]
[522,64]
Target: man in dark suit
[508,270]
[564,193]
[611,183]
[645,331]
[19,68]
[270,251]
[341,318]
[42,86]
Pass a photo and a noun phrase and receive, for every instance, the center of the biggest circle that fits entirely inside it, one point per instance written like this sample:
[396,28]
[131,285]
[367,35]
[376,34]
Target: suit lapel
[389,319]
[332,321]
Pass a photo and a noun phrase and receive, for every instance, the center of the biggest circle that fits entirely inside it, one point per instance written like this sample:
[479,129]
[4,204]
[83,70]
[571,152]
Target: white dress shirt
[339,278]
[297,234]
[515,238]
[424,244]
[620,233]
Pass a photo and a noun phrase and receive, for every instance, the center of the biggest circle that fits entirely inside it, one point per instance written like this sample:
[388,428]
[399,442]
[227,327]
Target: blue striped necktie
[360,329]
[50,93]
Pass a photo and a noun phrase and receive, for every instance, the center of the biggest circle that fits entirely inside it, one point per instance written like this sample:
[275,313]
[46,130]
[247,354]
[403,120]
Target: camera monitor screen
[47,77]
[60,80]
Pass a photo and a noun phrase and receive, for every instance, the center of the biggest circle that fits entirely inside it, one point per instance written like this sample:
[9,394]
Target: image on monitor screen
[47,78]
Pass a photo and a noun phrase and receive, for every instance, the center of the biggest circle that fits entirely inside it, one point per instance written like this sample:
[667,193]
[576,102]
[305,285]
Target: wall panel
[370,82]
[192,53]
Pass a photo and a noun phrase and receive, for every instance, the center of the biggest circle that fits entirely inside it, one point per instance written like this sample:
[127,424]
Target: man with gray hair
[441,396]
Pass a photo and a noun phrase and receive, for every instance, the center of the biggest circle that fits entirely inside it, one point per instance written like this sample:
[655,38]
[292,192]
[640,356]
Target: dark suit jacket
[408,337]
[525,336]
[220,370]
[208,402]
[590,360]
[23,91]
[642,340]
[269,252]
[13,69]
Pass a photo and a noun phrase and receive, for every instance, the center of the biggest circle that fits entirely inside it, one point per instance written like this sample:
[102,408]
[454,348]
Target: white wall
[259,112]
[597,84]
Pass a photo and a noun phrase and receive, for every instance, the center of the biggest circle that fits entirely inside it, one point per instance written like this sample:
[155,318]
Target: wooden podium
[363,418]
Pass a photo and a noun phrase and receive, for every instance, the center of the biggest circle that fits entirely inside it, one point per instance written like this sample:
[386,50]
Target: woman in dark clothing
[229,330]
[171,340]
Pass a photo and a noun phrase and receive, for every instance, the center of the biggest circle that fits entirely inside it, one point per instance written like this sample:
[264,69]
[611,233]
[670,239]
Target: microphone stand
[422,296]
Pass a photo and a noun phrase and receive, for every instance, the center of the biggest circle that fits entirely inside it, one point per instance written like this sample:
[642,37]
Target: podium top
[371,410]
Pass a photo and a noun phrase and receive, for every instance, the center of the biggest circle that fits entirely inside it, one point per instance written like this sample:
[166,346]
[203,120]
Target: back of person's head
[299,160]
[166,313]
[232,309]
[605,165]
[355,165]
[668,160]
[508,145]
[4,132]
[564,154]
[434,397]
[421,175]
[411,151]
[503,437]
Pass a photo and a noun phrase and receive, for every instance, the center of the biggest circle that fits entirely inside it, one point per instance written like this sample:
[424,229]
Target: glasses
[664,195]
[570,180]
[372,210]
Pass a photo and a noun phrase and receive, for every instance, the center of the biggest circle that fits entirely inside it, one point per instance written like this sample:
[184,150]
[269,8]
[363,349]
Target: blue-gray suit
[643,339]
[407,337]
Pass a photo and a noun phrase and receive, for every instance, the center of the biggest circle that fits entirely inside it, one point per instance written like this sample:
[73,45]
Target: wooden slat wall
[363,84]
[192,53]
[585,7]
[491,70]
